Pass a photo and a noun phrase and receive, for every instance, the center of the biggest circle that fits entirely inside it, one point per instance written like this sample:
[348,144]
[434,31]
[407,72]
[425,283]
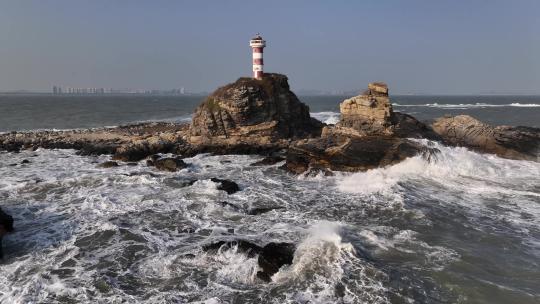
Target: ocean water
[31,112]
[460,228]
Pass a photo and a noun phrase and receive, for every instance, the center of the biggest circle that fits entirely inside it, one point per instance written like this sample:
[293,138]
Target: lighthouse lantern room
[257,45]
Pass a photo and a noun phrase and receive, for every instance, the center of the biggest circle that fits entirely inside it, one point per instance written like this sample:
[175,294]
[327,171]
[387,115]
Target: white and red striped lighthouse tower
[257,45]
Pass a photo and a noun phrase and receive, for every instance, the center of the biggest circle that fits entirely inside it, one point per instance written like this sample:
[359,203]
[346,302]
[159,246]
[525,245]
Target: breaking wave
[327,117]
[468,105]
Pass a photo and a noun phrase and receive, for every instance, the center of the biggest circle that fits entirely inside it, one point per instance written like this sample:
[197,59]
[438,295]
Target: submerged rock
[261,210]
[108,164]
[226,185]
[249,210]
[169,164]
[271,257]
[505,141]
[6,226]
[269,160]
[139,150]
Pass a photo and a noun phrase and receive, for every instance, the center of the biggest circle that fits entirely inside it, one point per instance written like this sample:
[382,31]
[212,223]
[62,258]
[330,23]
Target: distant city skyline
[62,90]
[418,47]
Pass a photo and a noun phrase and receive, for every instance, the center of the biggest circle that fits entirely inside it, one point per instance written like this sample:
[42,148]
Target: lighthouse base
[258,74]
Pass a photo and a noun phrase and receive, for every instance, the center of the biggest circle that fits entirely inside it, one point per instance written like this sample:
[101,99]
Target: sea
[462,227]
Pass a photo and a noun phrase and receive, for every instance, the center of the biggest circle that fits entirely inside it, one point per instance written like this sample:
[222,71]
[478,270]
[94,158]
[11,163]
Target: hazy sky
[436,47]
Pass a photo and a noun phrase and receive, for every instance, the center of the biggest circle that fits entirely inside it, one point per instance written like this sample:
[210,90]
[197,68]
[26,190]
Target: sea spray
[320,264]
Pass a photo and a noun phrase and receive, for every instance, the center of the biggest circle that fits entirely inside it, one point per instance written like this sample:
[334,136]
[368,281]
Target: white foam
[451,165]
[60,198]
[327,117]
[321,260]
[526,105]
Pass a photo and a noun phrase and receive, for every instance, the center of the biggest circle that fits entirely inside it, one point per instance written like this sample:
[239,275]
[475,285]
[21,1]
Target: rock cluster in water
[264,116]
[504,141]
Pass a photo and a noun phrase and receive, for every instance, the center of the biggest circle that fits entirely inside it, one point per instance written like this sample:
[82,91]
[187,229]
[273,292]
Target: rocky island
[252,116]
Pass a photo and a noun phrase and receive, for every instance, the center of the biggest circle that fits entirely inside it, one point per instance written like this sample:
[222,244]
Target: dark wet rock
[154,157]
[131,164]
[141,149]
[97,148]
[341,153]
[271,257]
[6,226]
[509,142]
[269,160]
[237,147]
[108,164]
[406,126]
[179,182]
[226,185]
[170,164]
[25,161]
[141,173]
[63,272]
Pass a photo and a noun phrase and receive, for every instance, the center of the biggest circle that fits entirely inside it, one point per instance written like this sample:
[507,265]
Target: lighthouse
[257,45]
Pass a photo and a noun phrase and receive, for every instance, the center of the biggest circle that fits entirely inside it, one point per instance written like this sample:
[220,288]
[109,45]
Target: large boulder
[337,152]
[371,114]
[251,111]
[505,141]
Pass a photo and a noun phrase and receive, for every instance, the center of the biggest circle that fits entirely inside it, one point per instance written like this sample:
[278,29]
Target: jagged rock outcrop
[226,185]
[369,135]
[251,111]
[371,114]
[504,141]
[350,153]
